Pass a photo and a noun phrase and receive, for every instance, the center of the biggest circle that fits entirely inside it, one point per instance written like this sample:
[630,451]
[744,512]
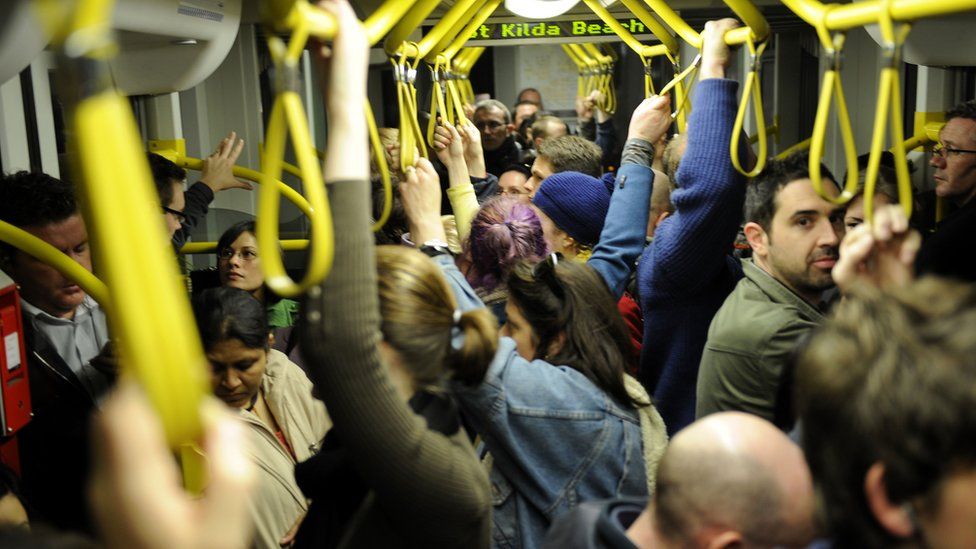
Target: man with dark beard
[794,235]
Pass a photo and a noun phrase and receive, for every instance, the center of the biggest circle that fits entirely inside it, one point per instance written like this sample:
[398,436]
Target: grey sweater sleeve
[429,484]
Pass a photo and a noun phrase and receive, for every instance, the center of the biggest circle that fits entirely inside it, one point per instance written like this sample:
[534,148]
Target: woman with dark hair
[239,266]
[556,412]
[274,398]
[397,470]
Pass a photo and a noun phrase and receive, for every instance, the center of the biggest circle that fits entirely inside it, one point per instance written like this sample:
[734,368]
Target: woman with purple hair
[504,231]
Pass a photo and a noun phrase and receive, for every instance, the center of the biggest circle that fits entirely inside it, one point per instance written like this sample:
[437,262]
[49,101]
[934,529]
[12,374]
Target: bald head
[734,475]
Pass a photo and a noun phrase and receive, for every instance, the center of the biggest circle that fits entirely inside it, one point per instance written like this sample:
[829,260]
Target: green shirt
[749,342]
[282,314]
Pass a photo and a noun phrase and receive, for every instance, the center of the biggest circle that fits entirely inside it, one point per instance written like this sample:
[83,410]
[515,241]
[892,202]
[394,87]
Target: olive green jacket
[749,342]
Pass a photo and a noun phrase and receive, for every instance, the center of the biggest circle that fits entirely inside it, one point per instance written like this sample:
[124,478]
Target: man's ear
[757,238]
[893,517]
[726,540]
[661,217]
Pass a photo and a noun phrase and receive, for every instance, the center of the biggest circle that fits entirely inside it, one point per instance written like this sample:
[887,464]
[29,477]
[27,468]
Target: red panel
[14,385]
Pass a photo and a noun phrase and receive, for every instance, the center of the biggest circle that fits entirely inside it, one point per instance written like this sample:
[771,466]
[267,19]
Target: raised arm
[419,472]
[690,247]
[622,239]
[460,191]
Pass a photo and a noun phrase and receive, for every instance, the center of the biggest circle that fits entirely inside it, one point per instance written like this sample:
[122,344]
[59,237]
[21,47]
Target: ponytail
[470,363]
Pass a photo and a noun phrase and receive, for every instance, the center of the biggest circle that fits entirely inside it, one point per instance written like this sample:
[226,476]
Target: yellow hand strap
[411,137]
[437,105]
[680,91]
[752,88]
[889,105]
[130,246]
[288,118]
[832,87]
[384,168]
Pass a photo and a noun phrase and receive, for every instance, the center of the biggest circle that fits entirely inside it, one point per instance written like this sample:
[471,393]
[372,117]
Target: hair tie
[457,316]
[555,258]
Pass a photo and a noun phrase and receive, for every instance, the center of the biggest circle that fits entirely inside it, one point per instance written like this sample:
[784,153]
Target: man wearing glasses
[183,210]
[494,121]
[950,251]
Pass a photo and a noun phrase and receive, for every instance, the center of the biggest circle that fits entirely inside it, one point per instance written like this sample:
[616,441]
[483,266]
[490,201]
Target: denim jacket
[555,437]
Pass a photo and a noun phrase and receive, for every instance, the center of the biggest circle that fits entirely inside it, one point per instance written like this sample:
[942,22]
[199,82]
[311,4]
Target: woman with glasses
[239,266]
[273,397]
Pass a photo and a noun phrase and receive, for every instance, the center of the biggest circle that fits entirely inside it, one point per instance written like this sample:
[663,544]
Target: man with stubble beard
[794,235]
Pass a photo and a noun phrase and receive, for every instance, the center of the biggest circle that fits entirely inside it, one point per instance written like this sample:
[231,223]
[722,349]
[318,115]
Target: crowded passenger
[882,393]
[564,154]
[69,358]
[530,95]
[595,124]
[273,396]
[687,272]
[493,120]
[398,469]
[562,361]
[545,127]
[885,190]
[794,235]
[504,232]
[525,113]
[728,480]
[182,211]
[452,432]
[949,251]
[514,182]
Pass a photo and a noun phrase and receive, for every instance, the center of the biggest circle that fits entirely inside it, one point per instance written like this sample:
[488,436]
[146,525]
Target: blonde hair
[418,320]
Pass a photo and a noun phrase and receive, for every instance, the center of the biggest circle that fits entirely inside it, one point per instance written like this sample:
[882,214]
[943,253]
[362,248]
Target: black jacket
[951,250]
[54,446]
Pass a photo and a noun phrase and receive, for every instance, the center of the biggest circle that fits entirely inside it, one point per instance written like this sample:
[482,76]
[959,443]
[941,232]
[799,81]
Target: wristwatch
[435,247]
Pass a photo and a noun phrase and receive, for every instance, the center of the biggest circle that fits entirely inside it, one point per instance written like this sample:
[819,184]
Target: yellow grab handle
[382,21]
[457,13]
[801,146]
[677,24]
[407,24]
[288,15]
[889,104]
[841,17]
[380,156]
[162,349]
[651,22]
[832,87]
[288,114]
[462,38]
[755,24]
[48,254]
[624,34]
[753,87]
[452,32]
[192,248]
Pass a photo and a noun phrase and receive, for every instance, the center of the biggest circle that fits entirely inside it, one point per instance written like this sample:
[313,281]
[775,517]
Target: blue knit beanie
[577,203]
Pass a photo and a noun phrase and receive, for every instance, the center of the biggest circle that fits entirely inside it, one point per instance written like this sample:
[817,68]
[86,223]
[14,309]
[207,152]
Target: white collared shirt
[77,341]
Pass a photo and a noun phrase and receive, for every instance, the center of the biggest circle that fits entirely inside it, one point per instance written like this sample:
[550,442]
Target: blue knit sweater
[687,272]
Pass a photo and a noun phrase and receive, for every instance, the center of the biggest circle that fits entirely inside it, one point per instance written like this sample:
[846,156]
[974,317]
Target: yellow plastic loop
[380,156]
[681,92]
[411,136]
[288,117]
[192,248]
[48,254]
[833,88]
[753,88]
[162,349]
[437,104]
[888,105]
